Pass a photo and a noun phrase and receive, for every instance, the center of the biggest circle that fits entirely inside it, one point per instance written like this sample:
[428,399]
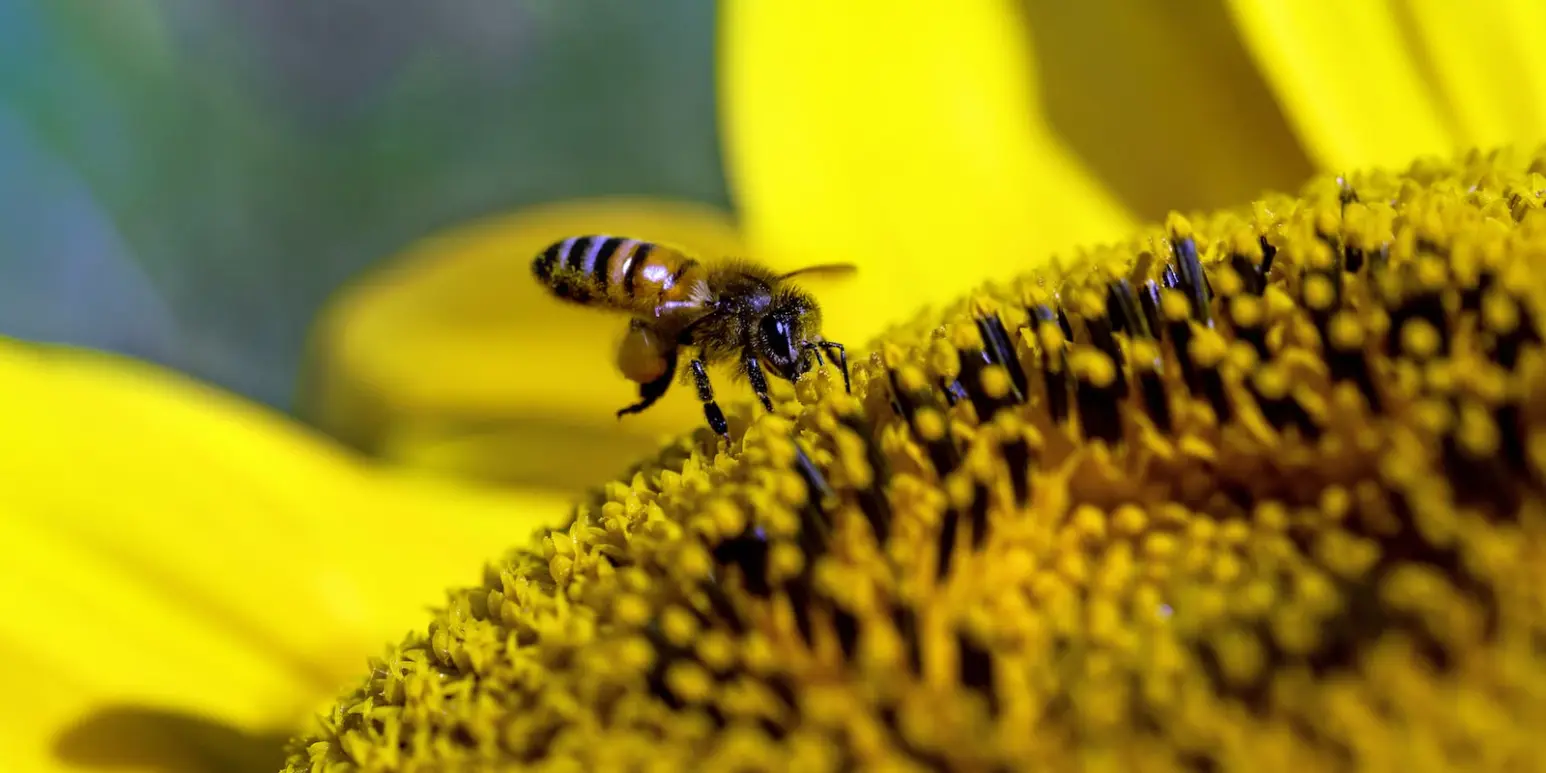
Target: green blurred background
[187,181]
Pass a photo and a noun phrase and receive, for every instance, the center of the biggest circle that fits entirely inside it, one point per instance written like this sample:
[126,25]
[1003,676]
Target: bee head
[783,335]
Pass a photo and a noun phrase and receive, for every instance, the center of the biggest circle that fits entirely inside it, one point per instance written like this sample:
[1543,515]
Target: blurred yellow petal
[1163,102]
[900,136]
[170,547]
[452,357]
[1487,64]
[1350,80]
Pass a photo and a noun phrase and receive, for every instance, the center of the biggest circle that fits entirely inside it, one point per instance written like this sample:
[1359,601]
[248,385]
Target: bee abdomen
[585,269]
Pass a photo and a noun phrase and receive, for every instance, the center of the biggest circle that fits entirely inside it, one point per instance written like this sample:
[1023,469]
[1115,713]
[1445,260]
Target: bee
[730,311]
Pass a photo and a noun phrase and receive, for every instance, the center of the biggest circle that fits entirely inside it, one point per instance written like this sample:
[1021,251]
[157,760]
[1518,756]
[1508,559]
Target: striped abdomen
[623,274]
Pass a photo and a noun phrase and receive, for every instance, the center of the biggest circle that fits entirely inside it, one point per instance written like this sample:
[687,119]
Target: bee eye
[778,339]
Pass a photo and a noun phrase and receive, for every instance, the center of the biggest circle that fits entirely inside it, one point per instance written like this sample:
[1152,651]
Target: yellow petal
[901,137]
[1163,102]
[452,357]
[170,547]
[1486,62]
[1351,81]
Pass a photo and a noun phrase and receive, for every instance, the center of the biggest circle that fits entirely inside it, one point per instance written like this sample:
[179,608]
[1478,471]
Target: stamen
[1253,489]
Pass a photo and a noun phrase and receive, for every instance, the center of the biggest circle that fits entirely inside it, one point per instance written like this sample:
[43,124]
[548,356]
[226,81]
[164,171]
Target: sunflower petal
[452,356]
[170,547]
[1351,82]
[1486,64]
[899,138]
[1137,89]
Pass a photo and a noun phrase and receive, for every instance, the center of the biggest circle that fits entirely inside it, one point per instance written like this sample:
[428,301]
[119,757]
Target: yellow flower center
[1256,490]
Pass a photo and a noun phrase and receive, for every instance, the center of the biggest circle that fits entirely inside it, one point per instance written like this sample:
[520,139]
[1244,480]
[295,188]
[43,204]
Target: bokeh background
[187,181]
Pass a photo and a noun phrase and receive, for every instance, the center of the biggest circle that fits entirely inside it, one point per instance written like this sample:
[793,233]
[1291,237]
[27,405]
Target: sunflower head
[1255,489]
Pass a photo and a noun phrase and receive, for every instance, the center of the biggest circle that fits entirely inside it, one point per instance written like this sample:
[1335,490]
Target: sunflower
[1267,585]
[1262,489]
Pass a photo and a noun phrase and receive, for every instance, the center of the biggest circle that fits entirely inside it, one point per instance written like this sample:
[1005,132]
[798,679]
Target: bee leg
[652,391]
[759,380]
[711,411]
[841,358]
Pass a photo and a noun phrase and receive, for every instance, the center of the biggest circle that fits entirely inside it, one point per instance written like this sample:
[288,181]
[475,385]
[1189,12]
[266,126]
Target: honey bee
[729,311]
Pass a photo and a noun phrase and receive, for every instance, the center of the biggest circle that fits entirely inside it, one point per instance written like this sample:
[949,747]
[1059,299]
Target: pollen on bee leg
[641,355]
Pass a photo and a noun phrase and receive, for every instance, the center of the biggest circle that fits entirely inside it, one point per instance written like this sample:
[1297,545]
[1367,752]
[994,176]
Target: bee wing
[828,269]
